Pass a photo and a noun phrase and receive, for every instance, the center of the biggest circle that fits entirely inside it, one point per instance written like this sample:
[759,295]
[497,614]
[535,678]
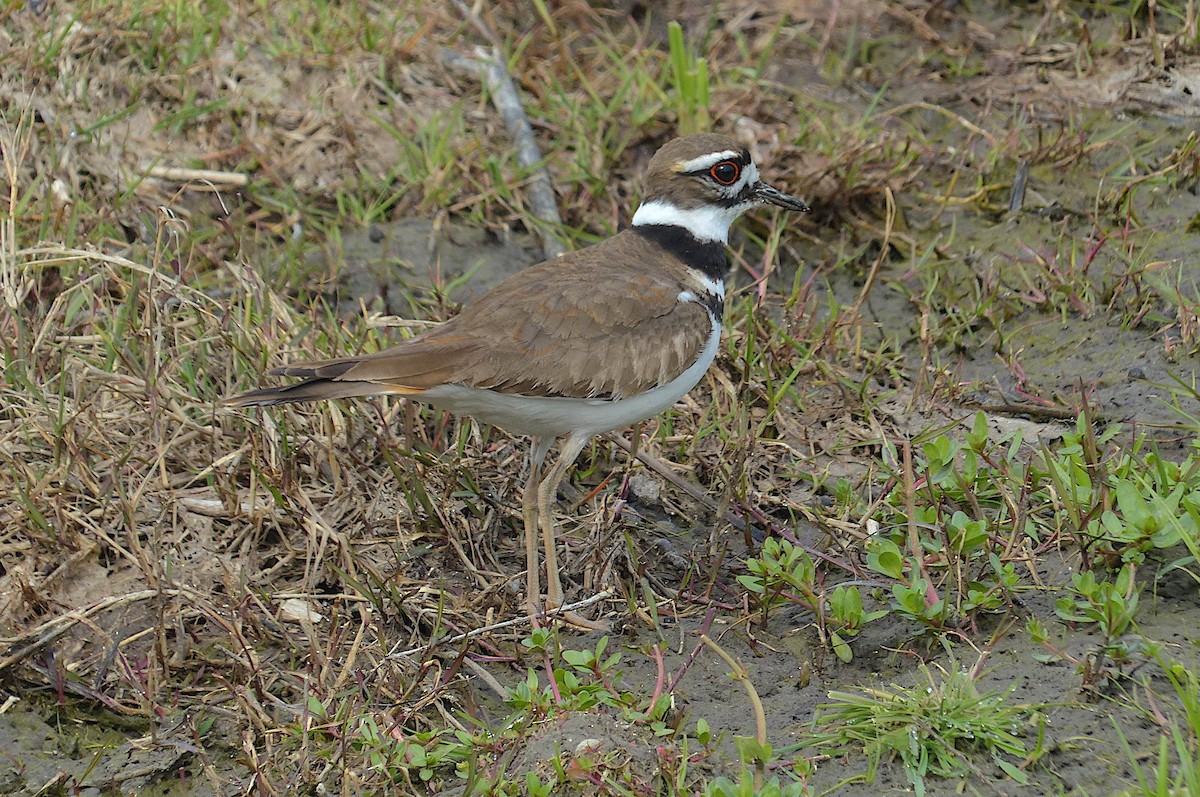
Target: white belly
[543,416]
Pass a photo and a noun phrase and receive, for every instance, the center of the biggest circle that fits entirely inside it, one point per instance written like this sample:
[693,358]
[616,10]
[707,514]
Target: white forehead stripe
[706,161]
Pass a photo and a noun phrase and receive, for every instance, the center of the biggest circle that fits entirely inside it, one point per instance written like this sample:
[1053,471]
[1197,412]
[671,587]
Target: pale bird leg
[537,457]
[547,491]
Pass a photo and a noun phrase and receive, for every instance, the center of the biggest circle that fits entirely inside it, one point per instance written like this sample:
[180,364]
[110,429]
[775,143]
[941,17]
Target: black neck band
[708,257]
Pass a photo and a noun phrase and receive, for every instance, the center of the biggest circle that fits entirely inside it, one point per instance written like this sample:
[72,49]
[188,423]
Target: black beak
[765,193]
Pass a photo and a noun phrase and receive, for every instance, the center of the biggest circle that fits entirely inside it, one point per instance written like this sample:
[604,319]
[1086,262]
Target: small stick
[1017,197]
[182,175]
[489,65]
[914,539]
[489,679]
[704,627]
[570,607]
[1036,411]
[661,678]
[884,246]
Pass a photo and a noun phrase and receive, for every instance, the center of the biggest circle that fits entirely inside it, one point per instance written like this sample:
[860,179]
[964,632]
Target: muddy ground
[1054,336]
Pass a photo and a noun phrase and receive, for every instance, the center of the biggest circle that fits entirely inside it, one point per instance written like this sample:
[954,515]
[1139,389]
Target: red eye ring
[726,172]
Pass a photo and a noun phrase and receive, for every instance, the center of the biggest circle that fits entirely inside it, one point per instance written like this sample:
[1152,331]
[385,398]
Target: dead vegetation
[271,588]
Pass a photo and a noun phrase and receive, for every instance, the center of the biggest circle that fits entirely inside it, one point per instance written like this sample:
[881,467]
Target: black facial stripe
[742,197]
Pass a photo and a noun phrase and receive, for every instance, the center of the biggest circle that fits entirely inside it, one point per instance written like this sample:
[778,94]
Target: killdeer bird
[570,348]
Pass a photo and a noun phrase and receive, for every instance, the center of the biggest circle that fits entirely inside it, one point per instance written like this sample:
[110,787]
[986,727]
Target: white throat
[706,223]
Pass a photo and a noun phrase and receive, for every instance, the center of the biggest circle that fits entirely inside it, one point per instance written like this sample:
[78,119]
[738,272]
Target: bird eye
[726,172]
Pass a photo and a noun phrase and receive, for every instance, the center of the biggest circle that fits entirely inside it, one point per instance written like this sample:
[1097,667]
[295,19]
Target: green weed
[689,76]
[1112,607]
[1176,762]
[933,728]
[783,573]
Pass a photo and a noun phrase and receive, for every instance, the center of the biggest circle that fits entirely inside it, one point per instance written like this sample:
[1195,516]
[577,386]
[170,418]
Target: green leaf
[1019,775]
[1067,610]
[752,584]
[840,648]
[703,731]
[1134,507]
[978,436]
[883,556]
[846,605]
[579,658]
[750,751]
[911,599]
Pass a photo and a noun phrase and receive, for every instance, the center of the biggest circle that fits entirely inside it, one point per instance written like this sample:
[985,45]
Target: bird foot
[580,622]
[544,617]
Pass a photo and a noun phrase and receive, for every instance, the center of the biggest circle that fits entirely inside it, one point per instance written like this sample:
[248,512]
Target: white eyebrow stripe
[706,161]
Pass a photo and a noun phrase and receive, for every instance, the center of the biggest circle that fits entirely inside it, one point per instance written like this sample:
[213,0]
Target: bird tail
[407,372]
[315,389]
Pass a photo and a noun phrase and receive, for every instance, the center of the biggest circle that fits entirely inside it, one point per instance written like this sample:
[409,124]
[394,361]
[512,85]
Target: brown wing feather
[598,322]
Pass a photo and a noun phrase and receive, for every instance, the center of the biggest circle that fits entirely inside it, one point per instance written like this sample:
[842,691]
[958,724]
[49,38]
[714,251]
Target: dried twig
[489,65]
[484,675]
[182,175]
[516,621]
[1037,412]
